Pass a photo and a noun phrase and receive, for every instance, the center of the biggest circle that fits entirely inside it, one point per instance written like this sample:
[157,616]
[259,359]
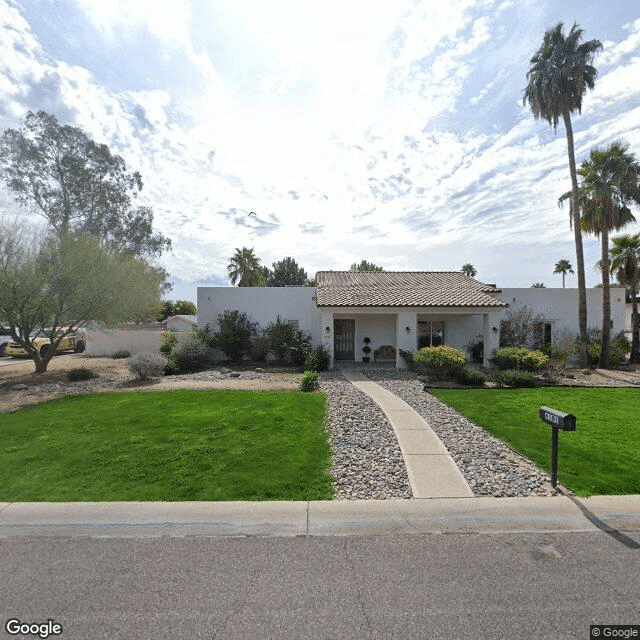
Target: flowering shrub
[441,360]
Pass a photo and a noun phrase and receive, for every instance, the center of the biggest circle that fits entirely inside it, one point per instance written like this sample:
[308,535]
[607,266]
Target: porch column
[490,337]
[407,340]
[327,336]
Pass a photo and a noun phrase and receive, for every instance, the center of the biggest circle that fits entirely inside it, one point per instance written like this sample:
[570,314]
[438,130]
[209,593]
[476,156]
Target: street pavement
[543,568]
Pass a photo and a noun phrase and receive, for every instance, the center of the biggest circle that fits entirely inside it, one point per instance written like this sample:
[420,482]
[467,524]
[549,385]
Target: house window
[430,333]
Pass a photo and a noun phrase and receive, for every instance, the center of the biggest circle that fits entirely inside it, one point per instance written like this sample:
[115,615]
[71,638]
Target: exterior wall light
[495,329]
[408,329]
[327,330]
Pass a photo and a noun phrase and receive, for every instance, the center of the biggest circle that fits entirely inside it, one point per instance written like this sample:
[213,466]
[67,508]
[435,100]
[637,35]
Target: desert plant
[236,332]
[619,347]
[522,327]
[441,360]
[519,358]
[310,381]
[81,374]
[121,354]
[470,377]
[281,335]
[475,350]
[169,340]
[318,359]
[407,356]
[300,348]
[259,349]
[146,365]
[513,378]
[190,355]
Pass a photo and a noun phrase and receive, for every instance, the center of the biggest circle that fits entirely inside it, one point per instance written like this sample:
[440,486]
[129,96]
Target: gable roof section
[402,289]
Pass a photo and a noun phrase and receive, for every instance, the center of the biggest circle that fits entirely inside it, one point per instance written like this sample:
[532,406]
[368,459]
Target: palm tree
[469,270]
[244,268]
[563,267]
[558,78]
[610,180]
[625,263]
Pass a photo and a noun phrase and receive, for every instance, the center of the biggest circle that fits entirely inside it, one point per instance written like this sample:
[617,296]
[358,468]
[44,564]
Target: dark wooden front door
[344,332]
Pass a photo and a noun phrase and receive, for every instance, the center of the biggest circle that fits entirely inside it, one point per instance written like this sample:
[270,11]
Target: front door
[344,332]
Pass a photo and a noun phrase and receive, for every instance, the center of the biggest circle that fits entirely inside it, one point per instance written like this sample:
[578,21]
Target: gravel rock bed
[367,461]
[490,467]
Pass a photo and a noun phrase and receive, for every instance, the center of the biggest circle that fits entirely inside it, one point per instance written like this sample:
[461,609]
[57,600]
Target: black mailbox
[558,419]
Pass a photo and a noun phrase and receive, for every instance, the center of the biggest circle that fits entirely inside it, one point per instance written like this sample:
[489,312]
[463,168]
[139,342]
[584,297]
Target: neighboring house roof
[403,289]
[189,319]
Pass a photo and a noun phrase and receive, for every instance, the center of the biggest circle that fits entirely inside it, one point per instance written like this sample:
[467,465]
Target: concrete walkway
[431,469]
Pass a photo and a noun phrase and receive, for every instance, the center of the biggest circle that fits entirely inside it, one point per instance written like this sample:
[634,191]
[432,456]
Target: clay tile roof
[402,289]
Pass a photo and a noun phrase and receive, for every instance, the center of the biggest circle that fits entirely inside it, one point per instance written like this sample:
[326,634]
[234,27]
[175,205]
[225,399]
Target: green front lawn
[602,457]
[171,446]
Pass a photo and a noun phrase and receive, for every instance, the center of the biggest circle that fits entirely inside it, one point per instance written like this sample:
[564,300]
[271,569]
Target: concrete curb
[331,518]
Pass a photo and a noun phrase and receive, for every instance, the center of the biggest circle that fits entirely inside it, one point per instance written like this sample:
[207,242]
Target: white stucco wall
[262,305]
[107,342]
[560,306]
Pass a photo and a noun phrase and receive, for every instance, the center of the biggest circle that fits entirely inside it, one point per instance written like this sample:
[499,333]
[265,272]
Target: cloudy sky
[391,131]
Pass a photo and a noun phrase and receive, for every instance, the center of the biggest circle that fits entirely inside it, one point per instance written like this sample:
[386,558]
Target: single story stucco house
[402,310]
[182,323]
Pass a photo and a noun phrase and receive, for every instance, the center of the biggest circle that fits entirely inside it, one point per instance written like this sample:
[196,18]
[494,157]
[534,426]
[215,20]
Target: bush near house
[317,360]
[513,378]
[619,347]
[189,356]
[310,381]
[169,340]
[441,360]
[519,358]
[470,377]
[281,335]
[146,365]
[235,335]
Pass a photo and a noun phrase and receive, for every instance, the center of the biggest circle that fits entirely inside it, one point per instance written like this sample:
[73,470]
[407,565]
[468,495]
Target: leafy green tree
[469,270]
[77,185]
[169,308]
[60,283]
[610,181]
[625,263]
[245,269]
[561,71]
[285,272]
[365,266]
[563,267]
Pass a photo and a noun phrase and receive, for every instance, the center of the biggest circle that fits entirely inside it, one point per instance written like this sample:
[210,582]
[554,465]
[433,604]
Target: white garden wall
[106,342]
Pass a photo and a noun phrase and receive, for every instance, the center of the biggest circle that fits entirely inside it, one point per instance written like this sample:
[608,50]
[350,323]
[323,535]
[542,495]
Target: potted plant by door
[366,350]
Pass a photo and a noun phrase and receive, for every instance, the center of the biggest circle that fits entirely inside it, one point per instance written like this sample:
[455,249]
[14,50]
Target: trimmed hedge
[519,358]
[441,360]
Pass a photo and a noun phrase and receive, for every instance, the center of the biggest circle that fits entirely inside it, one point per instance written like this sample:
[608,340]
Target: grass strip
[602,457]
[170,446]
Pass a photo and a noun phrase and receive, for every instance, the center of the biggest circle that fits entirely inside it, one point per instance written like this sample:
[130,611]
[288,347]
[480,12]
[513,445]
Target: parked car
[41,339]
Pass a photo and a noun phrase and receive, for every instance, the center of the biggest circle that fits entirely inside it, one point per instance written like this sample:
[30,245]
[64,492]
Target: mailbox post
[558,420]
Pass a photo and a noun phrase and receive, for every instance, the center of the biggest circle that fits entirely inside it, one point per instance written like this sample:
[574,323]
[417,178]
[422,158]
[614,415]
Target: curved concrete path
[431,469]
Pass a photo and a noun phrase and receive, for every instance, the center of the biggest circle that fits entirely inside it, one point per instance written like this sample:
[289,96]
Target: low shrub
[300,348]
[475,350]
[317,359]
[259,349]
[519,358]
[310,381]
[407,356]
[190,355]
[441,360]
[81,374]
[121,354]
[514,378]
[619,347]
[146,365]
[470,377]
[281,335]
[169,340]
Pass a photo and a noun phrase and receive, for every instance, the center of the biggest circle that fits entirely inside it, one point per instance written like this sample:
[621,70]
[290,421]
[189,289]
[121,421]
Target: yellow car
[71,342]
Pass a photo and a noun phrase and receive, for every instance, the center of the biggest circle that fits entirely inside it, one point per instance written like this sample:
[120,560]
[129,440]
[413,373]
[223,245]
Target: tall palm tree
[469,270]
[563,267]
[625,263]
[558,78]
[244,268]
[610,181]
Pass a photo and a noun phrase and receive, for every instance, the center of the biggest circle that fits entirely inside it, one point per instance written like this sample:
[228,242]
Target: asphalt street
[551,585]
